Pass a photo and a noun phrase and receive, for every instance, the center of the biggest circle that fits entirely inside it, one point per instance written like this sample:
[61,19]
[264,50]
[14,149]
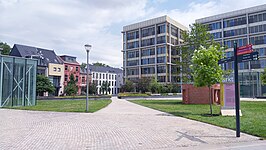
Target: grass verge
[66,105]
[252,122]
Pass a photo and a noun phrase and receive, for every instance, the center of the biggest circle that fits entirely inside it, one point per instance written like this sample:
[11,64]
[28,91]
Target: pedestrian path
[121,125]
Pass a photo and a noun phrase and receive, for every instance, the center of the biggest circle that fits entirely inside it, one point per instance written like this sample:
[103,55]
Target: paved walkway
[121,125]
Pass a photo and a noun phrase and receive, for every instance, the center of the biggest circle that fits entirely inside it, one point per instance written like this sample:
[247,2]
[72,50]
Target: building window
[77,78]
[96,75]
[100,76]
[148,32]
[161,69]
[235,22]
[148,42]
[147,61]
[92,75]
[77,68]
[66,67]
[59,69]
[148,52]
[161,29]
[160,39]
[66,77]
[54,68]
[83,79]
[161,60]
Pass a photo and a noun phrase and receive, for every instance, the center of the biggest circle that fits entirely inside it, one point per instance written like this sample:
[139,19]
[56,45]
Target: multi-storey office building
[100,74]
[246,26]
[148,49]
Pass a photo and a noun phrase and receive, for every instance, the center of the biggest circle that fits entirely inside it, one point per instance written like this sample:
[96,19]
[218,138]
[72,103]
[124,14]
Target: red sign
[247,49]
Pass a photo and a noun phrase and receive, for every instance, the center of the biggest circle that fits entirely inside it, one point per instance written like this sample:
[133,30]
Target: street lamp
[88,48]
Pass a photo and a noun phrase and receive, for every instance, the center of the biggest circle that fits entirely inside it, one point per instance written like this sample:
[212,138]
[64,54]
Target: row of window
[147,32]
[160,69]
[133,54]
[235,22]
[148,70]
[57,69]
[235,32]
[240,42]
[100,83]
[161,39]
[257,17]
[214,26]
[238,21]
[132,71]
[245,65]
[258,40]
[217,35]
[133,35]
[146,52]
[259,28]
[71,68]
[103,76]
[133,45]
[148,42]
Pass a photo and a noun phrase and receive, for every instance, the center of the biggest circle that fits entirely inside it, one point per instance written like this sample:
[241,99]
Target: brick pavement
[121,125]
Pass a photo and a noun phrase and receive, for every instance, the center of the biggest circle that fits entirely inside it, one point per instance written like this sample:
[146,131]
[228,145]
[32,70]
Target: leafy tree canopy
[100,64]
[43,84]
[71,88]
[6,48]
[196,37]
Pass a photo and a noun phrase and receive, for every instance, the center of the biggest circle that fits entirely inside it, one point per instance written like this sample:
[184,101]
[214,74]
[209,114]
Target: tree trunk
[210,99]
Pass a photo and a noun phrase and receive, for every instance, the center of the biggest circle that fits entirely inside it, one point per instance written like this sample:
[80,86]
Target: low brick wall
[200,95]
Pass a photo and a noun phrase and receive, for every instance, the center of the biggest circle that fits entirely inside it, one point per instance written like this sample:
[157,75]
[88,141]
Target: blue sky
[66,25]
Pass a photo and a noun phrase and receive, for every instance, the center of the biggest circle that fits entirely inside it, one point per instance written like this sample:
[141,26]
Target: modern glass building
[246,26]
[149,49]
[17,81]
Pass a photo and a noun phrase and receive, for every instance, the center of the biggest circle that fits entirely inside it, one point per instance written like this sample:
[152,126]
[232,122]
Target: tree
[100,64]
[106,87]
[194,38]
[128,86]
[43,84]
[71,88]
[83,66]
[6,48]
[205,68]
[143,85]
[155,87]
[92,88]
[263,76]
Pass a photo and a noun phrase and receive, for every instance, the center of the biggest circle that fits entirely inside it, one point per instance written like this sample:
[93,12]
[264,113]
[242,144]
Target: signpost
[241,54]
[236,92]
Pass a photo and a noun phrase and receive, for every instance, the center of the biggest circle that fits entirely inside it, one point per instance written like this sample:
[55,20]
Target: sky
[65,26]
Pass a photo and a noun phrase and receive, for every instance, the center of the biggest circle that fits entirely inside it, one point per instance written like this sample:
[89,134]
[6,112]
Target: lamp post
[88,48]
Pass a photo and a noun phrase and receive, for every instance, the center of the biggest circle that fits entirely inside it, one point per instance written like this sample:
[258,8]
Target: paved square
[121,125]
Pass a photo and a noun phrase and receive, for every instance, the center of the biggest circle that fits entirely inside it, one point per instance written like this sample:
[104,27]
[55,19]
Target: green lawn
[252,122]
[66,105]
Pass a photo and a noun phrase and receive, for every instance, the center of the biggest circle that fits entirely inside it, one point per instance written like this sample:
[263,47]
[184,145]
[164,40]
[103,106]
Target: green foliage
[92,88]
[205,68]
[6,48]
[71,88]
[105,87]
[194,38]
[128,86]
[83,66]
[143,85]
[263,77]
[155,87]
[100,64]
[43,84]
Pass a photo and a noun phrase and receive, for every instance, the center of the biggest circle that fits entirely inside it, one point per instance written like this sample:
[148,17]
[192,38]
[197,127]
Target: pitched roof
[102,69]
[48,56]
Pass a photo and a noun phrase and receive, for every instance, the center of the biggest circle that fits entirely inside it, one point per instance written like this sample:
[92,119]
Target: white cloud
[66,25]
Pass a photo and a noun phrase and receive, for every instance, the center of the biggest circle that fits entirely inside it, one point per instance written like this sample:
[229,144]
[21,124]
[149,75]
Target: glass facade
[17,81]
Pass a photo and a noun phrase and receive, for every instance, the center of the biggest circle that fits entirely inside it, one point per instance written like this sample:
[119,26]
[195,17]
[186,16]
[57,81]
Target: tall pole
[87,82]
[236,92]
